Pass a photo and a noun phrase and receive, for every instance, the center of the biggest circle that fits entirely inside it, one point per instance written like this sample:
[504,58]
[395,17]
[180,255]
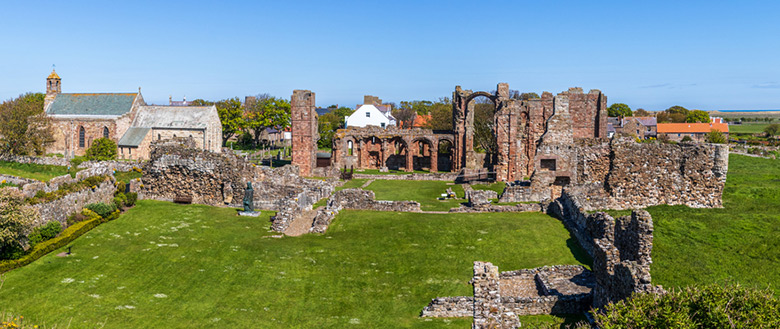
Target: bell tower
[53,87]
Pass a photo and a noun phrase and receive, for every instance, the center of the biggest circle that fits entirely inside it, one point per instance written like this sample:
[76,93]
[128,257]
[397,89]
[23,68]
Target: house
[641,127]
[371,113]
[696,131]
[80,118]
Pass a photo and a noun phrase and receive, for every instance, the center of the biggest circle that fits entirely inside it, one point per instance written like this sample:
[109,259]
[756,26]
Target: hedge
[43,248]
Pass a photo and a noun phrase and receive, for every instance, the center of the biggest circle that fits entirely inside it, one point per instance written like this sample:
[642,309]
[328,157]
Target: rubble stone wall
[449,307]
[60,209]
[359,199]
[54,161]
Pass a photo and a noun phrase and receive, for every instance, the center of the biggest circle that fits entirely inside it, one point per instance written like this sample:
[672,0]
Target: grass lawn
[33,171]
[162,265]
[352,183]
[738,243]
[390,172]
[748,128]
[126,176]
[497,186]
[424,192]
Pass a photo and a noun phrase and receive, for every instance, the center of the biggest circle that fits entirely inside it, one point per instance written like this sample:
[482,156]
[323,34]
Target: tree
[328,123]
[697,116]
[716,137]
[773,129]
[677,109]
[231,114]
[619,110]
[640,112]
[441,115]
[102,149]
[527,96]
[405,116]
[16,220]
[24,127]
[267,112]
[484,112]
[419,107]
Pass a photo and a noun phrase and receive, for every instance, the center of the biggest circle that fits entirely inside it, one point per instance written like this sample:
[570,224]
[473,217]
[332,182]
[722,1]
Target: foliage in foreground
[16,219]
[712,306]
[102,149]
[24,127]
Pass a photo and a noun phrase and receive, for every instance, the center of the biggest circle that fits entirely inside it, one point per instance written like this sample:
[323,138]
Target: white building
[370,115]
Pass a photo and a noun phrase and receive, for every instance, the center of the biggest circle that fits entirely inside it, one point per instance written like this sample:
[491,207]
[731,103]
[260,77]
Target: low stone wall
[449,307]
[443,176]
[54,161]
[113,165]
[60,209]
[365,200]
[20,181]
[520,207]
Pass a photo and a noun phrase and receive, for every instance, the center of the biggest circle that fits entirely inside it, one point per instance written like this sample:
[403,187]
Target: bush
[118,202]
[16,219]
[102,209]
[716,137]
[687,139]
[132,197]
[45,232]
[43,248]
[102,149]
[714,306]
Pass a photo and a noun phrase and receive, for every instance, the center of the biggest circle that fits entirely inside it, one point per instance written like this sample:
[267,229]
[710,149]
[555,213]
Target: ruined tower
[304,131]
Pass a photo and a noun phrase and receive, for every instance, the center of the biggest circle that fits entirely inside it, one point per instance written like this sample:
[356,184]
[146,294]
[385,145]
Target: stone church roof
[53,75]
[133,136]
[113,104]
[191,117]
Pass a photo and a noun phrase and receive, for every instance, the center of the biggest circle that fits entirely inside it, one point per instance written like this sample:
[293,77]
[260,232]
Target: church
[80,118]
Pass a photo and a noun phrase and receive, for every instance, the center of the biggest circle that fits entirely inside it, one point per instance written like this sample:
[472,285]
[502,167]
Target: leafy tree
[773,129]
[712,306]
[640,112]
[484,139]
[697,116]
[328,123]
[231,114]
[102,149]
[419,107]
[441,115]
[527,96]
[619,110]
[16,220]
[267,112]
[201,102]
[24,127]
[716,137]
[677,109]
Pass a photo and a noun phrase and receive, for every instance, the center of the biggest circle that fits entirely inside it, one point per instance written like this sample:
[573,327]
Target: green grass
[497,186]
[126,176]
[352,183]
[424,192]
[33,171]
[389,172]
[748,128]
[738,243]
[378,269]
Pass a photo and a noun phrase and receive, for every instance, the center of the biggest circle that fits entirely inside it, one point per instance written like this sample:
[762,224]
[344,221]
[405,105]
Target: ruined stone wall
[54,161]
[60,209]
[359,199]
[449,307]
[621,248]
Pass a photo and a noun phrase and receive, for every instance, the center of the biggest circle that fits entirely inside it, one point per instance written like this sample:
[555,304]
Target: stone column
[435,156]
[304,131]
[360,153]
[383,156]
[409,156]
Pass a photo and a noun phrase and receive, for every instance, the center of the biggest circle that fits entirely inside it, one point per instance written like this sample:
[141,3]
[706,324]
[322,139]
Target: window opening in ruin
[130,151]
[105,132]
[562,181]
[349,147]
[548,164]
[159,137]
[81,136]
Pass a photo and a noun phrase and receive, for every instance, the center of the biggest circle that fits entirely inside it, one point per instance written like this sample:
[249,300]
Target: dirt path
[367,183]
[301,224]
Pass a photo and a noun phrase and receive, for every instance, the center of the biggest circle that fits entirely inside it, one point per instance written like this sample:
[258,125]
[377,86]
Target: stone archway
[463,122]
[396,153]
[424,155]
[445,152]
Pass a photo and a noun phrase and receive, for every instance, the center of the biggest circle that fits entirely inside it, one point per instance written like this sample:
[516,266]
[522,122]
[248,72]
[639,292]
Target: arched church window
[82,136]
[105,132]
[349,147]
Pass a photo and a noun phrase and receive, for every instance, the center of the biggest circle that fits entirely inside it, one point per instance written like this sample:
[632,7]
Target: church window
[81,136]
[105,132]
[159,137]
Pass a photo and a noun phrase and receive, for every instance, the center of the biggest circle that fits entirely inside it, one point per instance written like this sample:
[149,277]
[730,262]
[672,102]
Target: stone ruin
[219,179]
[304,131]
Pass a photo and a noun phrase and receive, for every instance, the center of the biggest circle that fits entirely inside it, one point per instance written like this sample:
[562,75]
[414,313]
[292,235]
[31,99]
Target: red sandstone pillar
[435,156]
[409,157]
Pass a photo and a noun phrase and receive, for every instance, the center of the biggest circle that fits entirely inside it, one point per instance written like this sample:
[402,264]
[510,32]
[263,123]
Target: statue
[249,194]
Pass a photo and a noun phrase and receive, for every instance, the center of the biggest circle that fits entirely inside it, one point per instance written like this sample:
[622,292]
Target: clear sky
[651,54]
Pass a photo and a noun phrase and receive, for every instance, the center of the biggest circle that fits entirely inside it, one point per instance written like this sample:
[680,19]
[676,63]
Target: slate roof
[133,136]
[189,117]
[645,121]
[114,104]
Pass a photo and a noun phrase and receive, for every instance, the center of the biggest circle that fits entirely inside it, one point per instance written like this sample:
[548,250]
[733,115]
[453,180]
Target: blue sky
[651,54]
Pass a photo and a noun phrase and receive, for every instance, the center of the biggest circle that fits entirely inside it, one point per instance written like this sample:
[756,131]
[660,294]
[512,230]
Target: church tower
[53,87]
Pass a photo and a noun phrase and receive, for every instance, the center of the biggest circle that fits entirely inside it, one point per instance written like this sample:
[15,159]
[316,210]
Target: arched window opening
[159,137]
[82,136]
[105,132]
[349,147]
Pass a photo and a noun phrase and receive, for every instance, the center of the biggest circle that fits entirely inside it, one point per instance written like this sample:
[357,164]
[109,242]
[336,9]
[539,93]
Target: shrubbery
[714,306]
[102,209]
[16,219]
[43,233]
[102,149]
[67,188]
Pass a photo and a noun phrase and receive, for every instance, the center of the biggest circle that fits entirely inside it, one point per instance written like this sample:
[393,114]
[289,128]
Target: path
[301,224]
[367,183]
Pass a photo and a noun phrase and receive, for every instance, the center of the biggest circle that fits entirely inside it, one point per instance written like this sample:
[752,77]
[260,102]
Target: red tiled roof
[692,127]
[421,120]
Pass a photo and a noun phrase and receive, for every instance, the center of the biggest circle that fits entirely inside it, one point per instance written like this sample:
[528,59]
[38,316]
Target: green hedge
[43,248]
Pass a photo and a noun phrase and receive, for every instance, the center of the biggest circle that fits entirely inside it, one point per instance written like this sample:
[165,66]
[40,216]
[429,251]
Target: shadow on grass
[579,253]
